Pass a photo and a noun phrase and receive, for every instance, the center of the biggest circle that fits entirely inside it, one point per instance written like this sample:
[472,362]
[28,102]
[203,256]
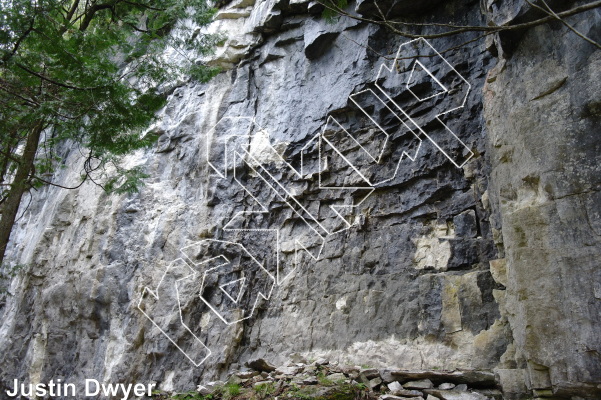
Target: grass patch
[304,393]
[264,390]
[192,395]
[231,390]
[327,389]
[347,391]
[323,380]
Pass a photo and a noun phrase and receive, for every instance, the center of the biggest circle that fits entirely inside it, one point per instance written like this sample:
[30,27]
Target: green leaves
[126,181]
[330,13]
[91,70]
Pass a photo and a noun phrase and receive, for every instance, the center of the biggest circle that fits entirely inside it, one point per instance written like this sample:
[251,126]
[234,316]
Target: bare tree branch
[331,5]
[548,10]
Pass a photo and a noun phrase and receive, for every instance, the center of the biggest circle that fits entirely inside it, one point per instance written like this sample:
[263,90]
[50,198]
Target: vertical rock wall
[542,112]
[441,269]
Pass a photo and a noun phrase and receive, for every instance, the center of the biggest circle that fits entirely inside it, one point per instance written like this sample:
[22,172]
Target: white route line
[240,289]
[444,89]
[237,149]
[469,87]
[155,295]
[260,294]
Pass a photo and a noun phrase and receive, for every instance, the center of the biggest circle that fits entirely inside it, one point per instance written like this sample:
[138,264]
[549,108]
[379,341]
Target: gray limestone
[421,384]
[546,169]
[394,387]
[483,275]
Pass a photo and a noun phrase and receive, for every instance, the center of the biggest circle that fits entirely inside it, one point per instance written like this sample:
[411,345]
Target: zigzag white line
[233,155]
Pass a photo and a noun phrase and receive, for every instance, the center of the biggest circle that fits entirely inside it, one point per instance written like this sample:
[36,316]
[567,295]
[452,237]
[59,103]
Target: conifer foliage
[88,75]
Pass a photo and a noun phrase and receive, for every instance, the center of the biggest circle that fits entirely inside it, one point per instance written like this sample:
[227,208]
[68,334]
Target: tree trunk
[7,148]
[10,207]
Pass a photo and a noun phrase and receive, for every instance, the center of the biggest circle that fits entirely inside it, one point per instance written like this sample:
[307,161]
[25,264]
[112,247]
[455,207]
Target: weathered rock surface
[394,8]
[546,182]
[448,273]
[421,384]
[455,395]
[473,377]
[263,366]
[394,387]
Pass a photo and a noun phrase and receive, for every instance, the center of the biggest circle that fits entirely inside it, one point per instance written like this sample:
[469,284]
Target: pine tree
[87,74]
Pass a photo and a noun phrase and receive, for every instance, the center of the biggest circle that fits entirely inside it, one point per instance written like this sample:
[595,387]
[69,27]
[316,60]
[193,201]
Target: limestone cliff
[479,254]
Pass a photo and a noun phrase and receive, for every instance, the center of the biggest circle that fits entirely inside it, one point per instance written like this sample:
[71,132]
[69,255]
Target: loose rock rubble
[324,380]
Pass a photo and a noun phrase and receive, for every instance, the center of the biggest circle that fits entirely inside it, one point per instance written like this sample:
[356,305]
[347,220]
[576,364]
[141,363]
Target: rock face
[542,116]
[490,268]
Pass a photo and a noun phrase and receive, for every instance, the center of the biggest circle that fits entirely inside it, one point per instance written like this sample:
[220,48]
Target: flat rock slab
[310,381]
[336,377]
[247,374]
[408,393]
[370,373]
[392,397]
[472,377]
[421,384]
[455,395]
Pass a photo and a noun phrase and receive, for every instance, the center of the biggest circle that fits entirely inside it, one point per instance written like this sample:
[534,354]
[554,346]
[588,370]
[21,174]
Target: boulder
[336,377]
[394,387]
[446,386]
[421,384]
[260,365]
